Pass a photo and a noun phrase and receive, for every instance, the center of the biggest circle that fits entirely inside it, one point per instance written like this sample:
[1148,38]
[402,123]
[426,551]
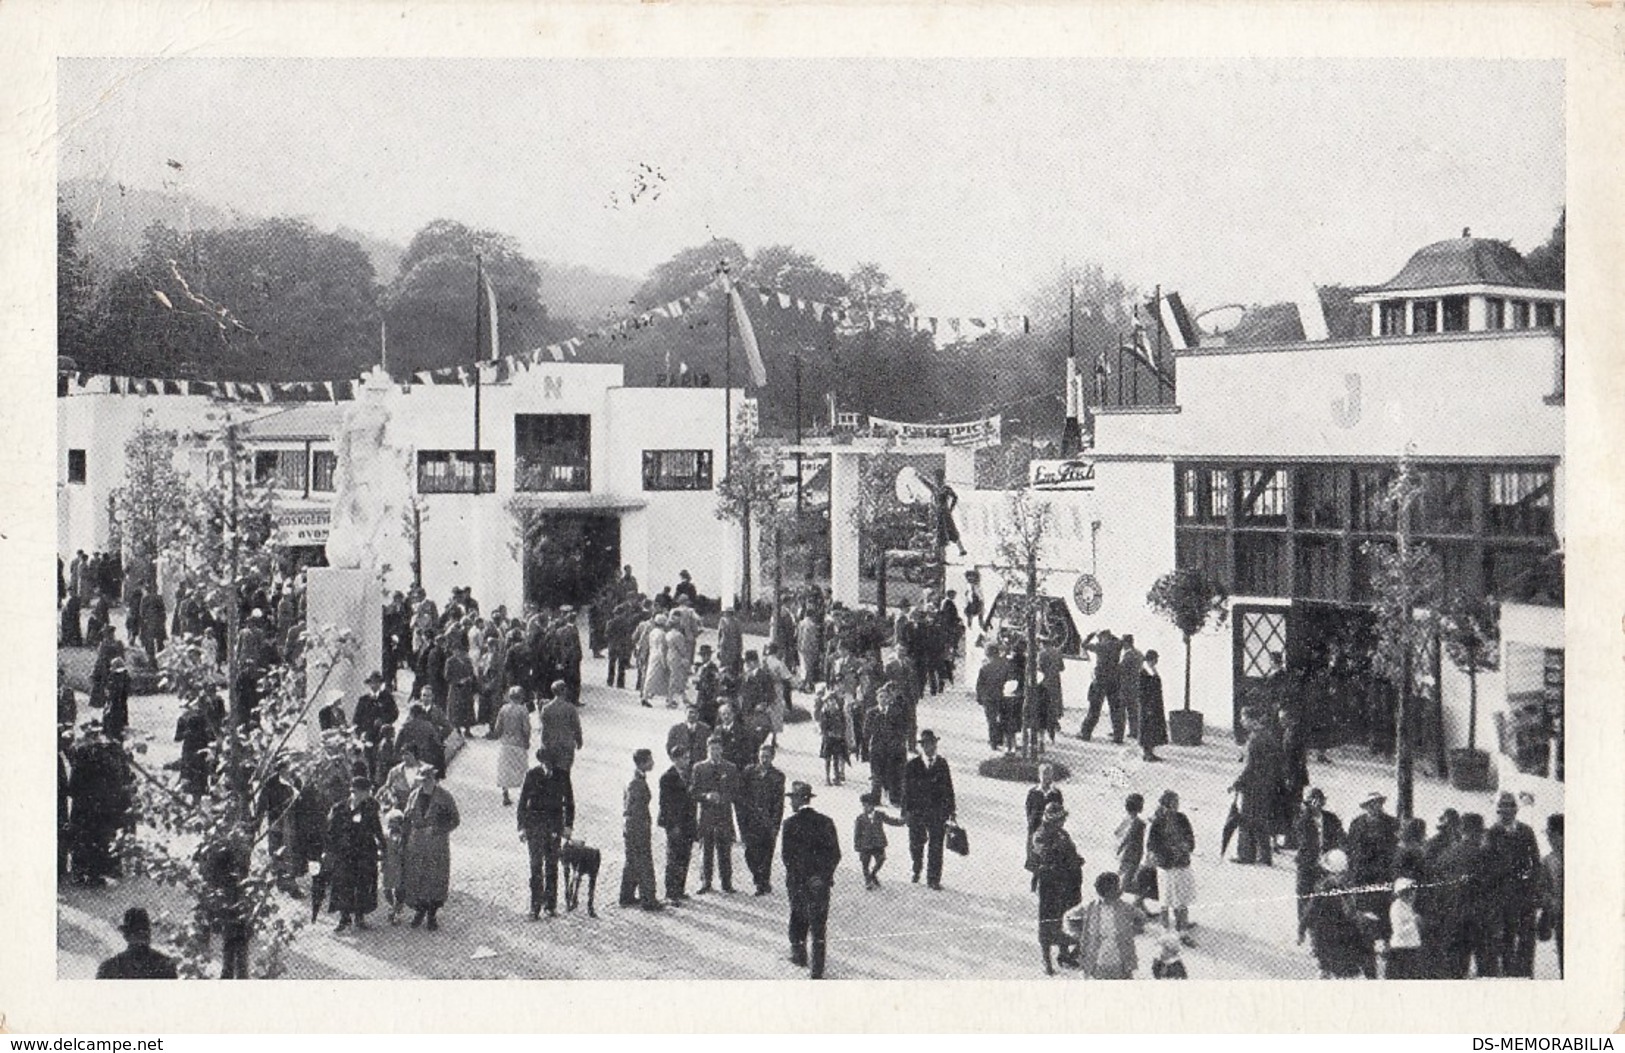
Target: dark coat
[1370,846]
[425,739]
[811,850]
[1058,868]
[677,813]
[692,739]
[355,840]
[137,963]
[547,801]
[928,791]
[1260,779]
[761,800]
[715,786]
[1335,931]
[1512,864]
[1311,845]
[1037,798]
[561,733]
[426,857]
[372,712]
[1169,840]
[635,802]
[1153,715]
[739,744]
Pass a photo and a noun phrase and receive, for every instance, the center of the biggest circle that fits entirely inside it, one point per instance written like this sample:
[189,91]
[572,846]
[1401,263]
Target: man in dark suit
[561,729]
[692,734]
[1317,832]
[811,852]
[138,961]
[375,710]
[761,810]
[928,804]
[715,787]
[638,875]
[1512,866]
[678,820]
[547,811]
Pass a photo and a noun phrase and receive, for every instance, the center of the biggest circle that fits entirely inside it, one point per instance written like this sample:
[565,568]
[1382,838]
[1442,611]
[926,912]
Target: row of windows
[294,470]
[1339,569]
[1512,501]
[1307,531]
[1449,315]
[475,472]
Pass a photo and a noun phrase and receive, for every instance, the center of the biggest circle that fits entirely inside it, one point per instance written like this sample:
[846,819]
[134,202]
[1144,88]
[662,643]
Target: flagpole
[727,369]
[479,280]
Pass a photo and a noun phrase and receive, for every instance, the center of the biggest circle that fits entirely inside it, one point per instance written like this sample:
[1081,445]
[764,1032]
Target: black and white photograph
[713,516]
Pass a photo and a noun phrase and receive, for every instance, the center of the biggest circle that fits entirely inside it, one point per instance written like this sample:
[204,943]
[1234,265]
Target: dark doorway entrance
[1329,663]
[570,557]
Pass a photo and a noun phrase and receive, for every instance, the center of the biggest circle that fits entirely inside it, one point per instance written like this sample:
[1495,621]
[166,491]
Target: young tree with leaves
[1020,553]
[747,496]
[1470,628]
[212,846]
[1189,599]
[1407,581]
[153,504]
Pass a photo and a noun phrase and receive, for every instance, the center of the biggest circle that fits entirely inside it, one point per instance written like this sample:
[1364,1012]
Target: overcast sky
[966,180]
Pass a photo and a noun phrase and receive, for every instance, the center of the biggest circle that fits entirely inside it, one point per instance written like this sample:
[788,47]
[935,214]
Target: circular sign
[1088,594]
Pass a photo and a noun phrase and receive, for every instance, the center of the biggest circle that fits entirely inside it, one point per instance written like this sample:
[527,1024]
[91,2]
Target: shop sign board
[1071,474]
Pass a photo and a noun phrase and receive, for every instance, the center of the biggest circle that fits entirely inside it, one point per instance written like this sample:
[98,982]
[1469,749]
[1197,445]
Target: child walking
[869,838]
[394,843]
[832,723]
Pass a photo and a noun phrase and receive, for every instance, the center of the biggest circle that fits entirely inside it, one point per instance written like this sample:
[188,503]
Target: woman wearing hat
[1055,863]
[512,726]
[431,816]
[355,840]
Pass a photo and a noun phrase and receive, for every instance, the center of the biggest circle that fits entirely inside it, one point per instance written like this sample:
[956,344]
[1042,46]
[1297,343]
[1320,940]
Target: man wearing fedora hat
[138,961]
[928,805]
[1373,836]
[812,850]
[375,710]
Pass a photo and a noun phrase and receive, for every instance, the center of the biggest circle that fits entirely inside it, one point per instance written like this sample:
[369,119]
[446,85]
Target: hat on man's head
[928,736]
[136,922]
[1506,797]
[360,782]
[752,656]
[1404,884]
[800,791]
[1374,797]
[374,678]
[706,648]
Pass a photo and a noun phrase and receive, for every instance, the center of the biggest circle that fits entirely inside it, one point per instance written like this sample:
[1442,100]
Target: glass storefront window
[1261,497]
[1520,503]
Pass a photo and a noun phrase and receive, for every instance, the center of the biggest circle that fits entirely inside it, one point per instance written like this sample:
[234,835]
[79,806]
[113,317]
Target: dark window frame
[655,477]
[1453,316]
[324,465]
[552,465]
[78,466]
[480,478]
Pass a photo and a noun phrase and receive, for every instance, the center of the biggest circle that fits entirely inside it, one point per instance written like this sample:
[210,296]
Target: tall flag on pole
[747,335]
[491,306]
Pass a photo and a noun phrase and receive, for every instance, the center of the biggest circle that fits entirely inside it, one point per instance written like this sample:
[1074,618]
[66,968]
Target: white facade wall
[469,539]
[1480,397]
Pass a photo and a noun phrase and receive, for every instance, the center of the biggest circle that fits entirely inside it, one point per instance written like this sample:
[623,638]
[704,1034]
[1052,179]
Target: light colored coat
[426,858]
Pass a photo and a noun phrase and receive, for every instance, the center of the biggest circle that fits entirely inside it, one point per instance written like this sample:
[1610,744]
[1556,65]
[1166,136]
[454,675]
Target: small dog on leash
[580,861]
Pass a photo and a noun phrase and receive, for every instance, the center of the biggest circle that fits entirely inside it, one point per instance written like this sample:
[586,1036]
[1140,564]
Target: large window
[1545,315]
[677,469]
[1520,314]
[282,469]
[1392,317]
[323,466]
[1261,497]
[552,451]
[1455,314]
[1425,316]
[457,471]
[1520,503]
[1303,531]
[76,466]
[1495,313]
[1319,497]
[1204,495]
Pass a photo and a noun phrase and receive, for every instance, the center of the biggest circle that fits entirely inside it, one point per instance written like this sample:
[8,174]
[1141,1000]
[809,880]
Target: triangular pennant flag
[933,322]
[422,377]
[265,392]
[953,326]
[230,389]
[801,305]
[327,386]
[764,293]
[818,310]
[784,301]
[556,351]
[978,323]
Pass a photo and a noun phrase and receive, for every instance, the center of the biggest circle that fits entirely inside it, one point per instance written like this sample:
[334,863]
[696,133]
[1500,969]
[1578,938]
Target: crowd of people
[371,823]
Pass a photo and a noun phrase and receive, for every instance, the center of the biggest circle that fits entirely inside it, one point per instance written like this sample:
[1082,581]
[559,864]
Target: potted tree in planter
[1188,598]
[1471,633]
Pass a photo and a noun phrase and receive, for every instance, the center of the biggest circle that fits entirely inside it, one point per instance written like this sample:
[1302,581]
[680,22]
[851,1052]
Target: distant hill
[583,294]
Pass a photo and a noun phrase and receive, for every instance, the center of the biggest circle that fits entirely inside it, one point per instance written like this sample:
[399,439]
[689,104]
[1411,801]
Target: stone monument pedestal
[346,599]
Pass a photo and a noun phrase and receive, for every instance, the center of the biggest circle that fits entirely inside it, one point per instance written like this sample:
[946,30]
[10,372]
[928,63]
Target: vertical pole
[798,435]
[727,370]
[479,277]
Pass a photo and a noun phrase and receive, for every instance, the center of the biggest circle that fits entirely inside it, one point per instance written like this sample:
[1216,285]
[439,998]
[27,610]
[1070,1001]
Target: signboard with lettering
[1061,475]
[302,526]
[964,433]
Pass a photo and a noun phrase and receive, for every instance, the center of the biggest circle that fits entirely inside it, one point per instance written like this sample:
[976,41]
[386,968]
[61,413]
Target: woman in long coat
[1058,870]
[459,686]
[355,839]
[1153,715]
[679,662]
[810,642]
[513,729]
[431,816]
[655,679]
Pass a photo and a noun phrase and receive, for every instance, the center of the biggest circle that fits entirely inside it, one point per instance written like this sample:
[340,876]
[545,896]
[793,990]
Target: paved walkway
[981,925]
